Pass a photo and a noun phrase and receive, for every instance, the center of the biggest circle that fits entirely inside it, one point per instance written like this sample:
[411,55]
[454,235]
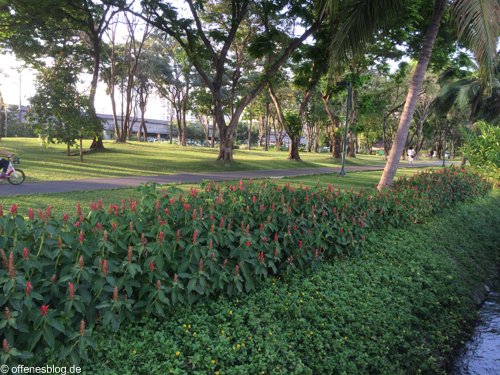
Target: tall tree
[478,26]
[36,29]
[210,48]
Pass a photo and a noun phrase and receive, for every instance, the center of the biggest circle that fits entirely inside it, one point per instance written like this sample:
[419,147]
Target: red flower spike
[131,226]
[261,227]
[77,224]
[98,226]
[276,252]
[210,244]
[114,226]
[201,265]
[1,210]
[105,267]
[264,239]
[65,217]
[166,211]
[261,257]
[161,236]
[115,294]
[195,235]
[212,217]
[81,237]
[300,244]
[261,208]
[78,209]
[13,209]
[44,309]
[29,288]
[221,224]
[151,266]
[194,214]
[99,203]
[254,199]
[93,206]
[82,327]
[26,253]
[212,228]
[187,206]
[247,230]
[31,214]
[171,201]
[248,243]
[71,291]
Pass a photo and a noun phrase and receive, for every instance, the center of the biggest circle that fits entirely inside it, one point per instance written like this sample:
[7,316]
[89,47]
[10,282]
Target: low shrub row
[61,276]
[401,307]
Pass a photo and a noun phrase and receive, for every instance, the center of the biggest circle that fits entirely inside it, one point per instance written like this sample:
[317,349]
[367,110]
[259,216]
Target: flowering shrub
[62,276]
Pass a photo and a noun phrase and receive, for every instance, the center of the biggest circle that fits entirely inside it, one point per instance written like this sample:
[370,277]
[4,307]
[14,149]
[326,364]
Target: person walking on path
[411,154]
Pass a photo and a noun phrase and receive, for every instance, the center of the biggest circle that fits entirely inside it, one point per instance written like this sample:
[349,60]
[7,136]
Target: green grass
[66,202]
[134,158]
[401,307]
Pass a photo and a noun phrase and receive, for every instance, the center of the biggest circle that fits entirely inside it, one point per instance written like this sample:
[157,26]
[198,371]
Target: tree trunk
[412,96]
[225,146]
[68,153]
[81,148]
[293,152]
[250,131]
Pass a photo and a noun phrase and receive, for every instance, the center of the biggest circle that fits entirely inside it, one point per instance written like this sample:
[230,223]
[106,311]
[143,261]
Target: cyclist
[4,163]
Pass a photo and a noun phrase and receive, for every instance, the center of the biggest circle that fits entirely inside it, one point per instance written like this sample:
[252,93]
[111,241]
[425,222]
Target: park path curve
[7,190]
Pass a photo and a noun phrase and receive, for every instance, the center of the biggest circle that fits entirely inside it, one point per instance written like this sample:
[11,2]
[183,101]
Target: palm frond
[478,24]
[363,19]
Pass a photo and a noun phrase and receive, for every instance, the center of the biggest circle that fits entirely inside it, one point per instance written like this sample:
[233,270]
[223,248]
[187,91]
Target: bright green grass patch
[66,202]
[145,159]
[399,308]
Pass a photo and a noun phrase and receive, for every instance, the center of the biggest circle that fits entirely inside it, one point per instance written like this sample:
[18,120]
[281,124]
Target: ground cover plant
[62,276]
[400,307]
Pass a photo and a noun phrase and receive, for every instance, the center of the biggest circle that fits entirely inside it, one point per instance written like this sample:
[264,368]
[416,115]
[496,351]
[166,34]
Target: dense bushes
[63,275]
[399,308]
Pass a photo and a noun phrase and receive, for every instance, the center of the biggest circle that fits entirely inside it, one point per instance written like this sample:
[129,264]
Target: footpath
[26,188]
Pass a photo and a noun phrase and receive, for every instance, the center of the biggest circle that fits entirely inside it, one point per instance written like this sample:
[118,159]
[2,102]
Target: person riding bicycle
[4,163]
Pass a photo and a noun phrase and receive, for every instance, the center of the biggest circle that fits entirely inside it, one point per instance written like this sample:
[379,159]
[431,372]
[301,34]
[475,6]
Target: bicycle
[14,175]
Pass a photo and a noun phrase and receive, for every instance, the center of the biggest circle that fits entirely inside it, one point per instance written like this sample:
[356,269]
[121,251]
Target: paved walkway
[7,189]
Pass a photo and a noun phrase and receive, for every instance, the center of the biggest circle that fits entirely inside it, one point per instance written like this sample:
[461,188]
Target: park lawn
[146,159]
[66,202]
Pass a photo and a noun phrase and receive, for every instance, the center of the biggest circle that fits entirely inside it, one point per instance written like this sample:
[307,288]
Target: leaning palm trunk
[412,96]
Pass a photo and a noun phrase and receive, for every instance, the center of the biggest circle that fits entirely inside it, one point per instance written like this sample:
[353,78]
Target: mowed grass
[146,159]
[66,202]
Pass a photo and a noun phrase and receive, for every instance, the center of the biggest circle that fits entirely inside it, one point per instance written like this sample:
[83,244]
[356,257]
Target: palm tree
[478,26]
